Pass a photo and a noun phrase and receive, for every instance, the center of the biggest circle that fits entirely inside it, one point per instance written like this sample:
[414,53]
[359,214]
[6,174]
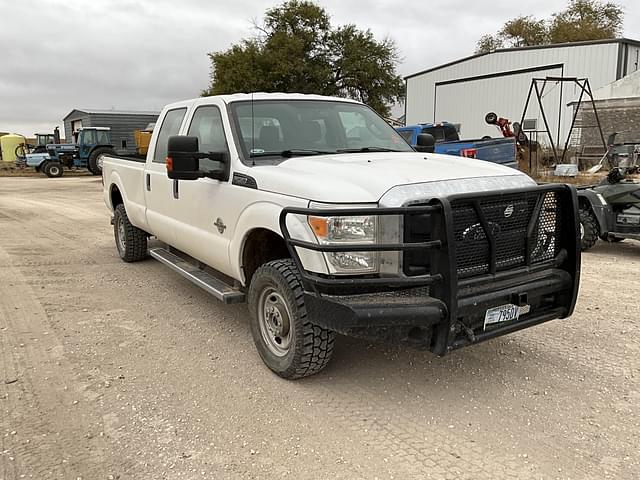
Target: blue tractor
[91,143]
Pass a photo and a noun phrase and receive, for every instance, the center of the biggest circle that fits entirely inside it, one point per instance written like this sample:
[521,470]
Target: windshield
[286,128]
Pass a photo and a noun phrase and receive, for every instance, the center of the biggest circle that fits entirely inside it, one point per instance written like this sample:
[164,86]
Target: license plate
[504,313]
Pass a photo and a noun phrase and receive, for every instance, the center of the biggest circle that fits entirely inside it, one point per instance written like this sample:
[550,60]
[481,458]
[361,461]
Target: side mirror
[425,143]
[182,158]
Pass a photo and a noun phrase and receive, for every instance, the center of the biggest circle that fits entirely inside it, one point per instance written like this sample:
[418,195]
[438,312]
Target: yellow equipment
[9,144]
[143,137]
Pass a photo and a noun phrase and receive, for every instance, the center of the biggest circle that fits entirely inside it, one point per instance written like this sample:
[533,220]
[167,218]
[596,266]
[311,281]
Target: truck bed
[496,150]
[128,174]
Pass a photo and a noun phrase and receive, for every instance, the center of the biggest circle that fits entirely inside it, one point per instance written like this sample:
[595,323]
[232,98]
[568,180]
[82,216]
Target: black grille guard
[443,279]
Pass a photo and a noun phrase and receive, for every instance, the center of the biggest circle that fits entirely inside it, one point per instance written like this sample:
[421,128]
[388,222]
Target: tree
[586,20]
[297,50]
[580,20]
[525,32]
[489,43]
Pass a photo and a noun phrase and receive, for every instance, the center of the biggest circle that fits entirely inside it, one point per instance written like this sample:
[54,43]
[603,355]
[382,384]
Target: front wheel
[288,343]
[52,169]
[588,229]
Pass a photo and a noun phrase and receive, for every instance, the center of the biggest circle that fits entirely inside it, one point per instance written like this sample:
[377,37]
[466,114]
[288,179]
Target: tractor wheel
[92,163]
[52,169]
[588,229]
[491,118]
[287,341]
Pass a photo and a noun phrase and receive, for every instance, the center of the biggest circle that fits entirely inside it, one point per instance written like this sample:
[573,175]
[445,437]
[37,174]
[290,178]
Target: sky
[57,55]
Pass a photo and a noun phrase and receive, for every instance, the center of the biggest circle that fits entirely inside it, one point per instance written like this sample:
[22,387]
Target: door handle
[176,193]
[148,182]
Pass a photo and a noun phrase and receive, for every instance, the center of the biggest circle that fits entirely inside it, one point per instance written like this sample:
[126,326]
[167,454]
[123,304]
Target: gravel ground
[127,371]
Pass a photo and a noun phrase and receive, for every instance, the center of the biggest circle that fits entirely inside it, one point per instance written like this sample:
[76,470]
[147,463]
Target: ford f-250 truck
[323,219]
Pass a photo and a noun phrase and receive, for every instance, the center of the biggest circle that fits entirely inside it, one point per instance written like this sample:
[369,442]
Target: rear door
[158,187]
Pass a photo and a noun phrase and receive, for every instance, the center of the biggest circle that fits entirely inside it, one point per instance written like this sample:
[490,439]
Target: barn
[122,124]
[464,90]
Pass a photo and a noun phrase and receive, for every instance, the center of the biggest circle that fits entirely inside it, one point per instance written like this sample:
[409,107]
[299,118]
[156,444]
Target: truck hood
[365,177]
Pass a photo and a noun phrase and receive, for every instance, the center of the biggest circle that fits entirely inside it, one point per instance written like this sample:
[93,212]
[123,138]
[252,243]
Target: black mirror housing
[425,143]
[222,170]
[182,158]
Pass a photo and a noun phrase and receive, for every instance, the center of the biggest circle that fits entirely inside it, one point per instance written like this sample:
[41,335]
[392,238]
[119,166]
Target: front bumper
[415,318]
[445,309]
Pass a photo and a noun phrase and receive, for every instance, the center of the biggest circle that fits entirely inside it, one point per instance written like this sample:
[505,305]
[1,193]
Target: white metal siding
[467,102]
[474,98]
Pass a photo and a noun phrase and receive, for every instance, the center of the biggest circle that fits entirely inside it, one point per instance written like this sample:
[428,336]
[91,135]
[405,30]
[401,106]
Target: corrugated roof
[91,111]
[534,47]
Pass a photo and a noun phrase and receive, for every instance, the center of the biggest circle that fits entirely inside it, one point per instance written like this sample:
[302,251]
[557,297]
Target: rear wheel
[588,229]
[288,343]
[52,169]
[130,240]
[92,163]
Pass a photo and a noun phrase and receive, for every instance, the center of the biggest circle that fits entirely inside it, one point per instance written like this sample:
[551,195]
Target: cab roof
[243,97]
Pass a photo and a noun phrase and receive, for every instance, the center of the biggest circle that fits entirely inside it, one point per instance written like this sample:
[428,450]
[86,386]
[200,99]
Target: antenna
[253,136]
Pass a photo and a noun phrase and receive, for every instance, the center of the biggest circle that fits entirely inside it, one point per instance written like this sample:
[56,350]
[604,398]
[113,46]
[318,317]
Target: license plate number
[504,313]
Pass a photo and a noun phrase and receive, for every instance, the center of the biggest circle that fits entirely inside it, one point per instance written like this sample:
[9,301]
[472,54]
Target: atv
[610,211]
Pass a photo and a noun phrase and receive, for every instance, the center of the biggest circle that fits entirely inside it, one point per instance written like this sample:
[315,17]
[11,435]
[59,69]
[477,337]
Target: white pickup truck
[320,216]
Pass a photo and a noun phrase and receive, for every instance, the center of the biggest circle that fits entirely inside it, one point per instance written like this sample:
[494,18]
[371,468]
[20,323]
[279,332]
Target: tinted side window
[89,137]
[103,137]
[207,126]
[170,126]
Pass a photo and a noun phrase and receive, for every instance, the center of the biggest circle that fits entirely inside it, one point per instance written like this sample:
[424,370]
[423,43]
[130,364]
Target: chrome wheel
[275,322]
[54,170]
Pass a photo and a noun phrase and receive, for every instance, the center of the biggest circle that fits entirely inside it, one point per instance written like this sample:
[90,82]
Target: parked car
[323,219]
[447,141]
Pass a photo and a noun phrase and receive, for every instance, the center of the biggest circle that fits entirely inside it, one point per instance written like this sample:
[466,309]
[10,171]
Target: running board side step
[216,287]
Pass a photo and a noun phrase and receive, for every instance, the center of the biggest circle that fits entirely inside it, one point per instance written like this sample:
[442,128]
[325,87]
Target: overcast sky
[57,55]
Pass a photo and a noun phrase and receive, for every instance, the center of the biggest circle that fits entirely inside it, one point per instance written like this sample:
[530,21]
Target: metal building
[463,91]
[121,123]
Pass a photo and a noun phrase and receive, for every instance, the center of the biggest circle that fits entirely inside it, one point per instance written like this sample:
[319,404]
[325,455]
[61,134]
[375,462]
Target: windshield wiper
[367,149]
[292,152]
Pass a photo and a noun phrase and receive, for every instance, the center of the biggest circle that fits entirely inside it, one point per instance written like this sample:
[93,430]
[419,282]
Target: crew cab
[324,220]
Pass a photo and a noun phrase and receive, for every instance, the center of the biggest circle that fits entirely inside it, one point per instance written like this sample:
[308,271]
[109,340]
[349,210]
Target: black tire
[491,118]
[589,231]
[92,162]
[307,348]
[52,169]
[131,242]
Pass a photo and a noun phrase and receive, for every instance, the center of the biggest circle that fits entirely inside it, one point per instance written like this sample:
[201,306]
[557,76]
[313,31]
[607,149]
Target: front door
[205,207]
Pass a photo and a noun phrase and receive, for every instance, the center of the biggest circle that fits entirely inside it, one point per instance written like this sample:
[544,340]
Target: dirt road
[126,371]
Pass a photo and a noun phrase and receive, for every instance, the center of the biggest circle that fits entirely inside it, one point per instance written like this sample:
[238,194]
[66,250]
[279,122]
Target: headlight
[343,230]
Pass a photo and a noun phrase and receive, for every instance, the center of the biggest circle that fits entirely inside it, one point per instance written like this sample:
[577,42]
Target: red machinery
[504,125]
